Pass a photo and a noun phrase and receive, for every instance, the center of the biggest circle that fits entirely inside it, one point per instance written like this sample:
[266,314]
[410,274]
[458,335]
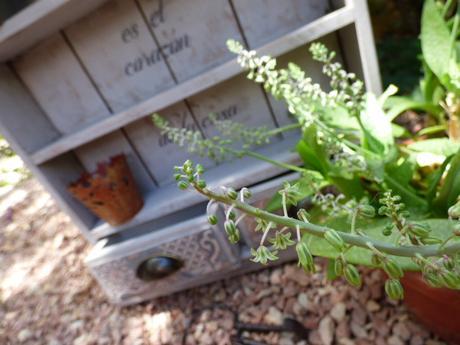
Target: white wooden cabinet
[80,78]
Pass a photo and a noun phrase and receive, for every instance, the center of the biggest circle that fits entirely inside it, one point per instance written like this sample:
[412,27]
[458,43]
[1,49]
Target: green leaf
[401,170]
[450,190]
[304,186]
[378,134]
[407,193]
[331,274]
[310,158]
[437,146]
[396,105]
[435,39]
[441,228]
[431,194]
[399,131]
[340,118]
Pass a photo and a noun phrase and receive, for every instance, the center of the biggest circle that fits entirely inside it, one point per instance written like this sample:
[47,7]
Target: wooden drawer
[203,250]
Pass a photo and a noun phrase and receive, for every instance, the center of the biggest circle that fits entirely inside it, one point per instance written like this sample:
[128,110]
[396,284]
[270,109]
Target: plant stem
[353,221]
[284,129]
[319,231]
[266,159]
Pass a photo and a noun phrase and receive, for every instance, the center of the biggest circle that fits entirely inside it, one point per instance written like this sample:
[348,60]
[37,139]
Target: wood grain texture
[157,151]
[309,32]
[207,24]
[25,127]
[263,21]
[119,52]
[64,90]
[237,99]
[55,79]
[20,117]
[110,145]
[38,21]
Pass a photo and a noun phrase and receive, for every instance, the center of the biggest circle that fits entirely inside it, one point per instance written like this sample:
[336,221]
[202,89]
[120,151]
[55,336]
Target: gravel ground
[47,296]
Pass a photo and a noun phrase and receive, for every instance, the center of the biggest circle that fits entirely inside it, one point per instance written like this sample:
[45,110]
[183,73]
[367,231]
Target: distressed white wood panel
[20,115]
[156,150]
[313,69]
[110,145]
[59,173]
[265,20]
[237,99]
[25,127]
[364,39]
[119,52]
[54,77]
[205,25]
[38,21]
[63,89]
[324,25]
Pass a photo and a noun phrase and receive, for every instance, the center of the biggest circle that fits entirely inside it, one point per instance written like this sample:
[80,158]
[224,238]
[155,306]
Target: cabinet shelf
[39,20]
[237,174]
[314,30]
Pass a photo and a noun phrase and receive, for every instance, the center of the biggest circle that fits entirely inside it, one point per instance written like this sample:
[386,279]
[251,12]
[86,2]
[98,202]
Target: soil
[48,296]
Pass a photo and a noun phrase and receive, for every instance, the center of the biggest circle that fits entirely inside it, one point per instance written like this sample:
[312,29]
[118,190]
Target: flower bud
[419,229]
[246,193]
[383,210]
[388,229]
[454,211]
[456,229]
[232,194]
[302,214]
[366,211]
[431,240]
[338,267]
[182,185]
[199,169]
[352,275]
[450,280]
[232,231]
[432,280]
[231,215]
[393,270]
[213,220]
[201,184]
[376,260]
[394,289]
[334,239]
[305,257]
[177,177]
[448,263]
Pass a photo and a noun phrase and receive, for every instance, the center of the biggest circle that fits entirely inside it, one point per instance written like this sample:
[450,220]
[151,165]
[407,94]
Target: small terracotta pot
[437,308]
[110,192]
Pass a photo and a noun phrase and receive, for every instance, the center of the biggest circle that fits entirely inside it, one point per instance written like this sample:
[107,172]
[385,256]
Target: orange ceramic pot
[110,192]
[437,309]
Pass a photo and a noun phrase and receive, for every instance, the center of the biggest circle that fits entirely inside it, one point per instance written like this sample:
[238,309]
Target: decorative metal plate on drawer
[203,254]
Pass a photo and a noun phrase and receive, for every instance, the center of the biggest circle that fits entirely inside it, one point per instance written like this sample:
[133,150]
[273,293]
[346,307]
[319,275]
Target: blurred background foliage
[396,25]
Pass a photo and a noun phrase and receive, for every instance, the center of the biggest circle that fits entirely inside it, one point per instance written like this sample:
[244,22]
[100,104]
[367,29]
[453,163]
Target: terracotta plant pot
[110,192]
[438,309]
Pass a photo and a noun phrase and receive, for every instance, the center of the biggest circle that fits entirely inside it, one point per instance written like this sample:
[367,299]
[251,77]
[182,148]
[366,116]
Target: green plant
[377,201]
[439,91]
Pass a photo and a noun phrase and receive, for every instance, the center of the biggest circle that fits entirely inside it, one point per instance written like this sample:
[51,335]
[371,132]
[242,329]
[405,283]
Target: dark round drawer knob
[158,267]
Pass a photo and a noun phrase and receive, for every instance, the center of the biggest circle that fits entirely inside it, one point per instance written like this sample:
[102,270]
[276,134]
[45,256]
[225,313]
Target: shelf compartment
[39,20]
[314,30]
[237,174]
